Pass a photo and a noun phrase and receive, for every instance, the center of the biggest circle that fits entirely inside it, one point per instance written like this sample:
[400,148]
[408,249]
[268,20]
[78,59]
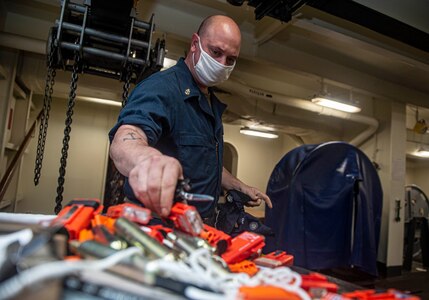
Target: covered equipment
[327,204]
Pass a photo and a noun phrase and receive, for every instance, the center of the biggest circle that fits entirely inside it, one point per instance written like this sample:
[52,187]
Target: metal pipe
[102,53]
[142,24]
[7,177]
[103,35]
[130,232]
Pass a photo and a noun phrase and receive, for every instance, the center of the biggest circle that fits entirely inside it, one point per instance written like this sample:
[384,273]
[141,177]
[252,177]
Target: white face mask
[209,71]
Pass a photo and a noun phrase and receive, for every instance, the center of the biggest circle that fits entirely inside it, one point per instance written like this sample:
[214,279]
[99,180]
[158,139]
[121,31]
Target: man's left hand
[256,195]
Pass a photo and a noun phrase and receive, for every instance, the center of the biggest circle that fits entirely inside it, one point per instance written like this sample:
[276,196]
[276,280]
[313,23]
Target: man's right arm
[151,175]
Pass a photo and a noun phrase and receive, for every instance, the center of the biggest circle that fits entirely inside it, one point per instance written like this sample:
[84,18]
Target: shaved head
[213,24]
[214,21]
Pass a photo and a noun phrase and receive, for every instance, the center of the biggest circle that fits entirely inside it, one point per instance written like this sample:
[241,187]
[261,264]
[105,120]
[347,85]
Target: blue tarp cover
[327,202]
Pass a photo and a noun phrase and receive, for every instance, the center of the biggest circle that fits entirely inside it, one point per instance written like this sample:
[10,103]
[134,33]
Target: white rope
[200,270]
[11,287]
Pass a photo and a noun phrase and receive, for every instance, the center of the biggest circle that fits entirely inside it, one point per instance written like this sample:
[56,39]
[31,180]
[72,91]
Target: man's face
[221,43]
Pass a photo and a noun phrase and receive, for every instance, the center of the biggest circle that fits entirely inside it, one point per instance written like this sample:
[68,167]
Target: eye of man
[217,52]
[230,61]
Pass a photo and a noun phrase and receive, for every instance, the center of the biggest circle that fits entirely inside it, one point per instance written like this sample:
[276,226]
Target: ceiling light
[325,99]
[100,101]
[422,152]
[259,133]
[335,104]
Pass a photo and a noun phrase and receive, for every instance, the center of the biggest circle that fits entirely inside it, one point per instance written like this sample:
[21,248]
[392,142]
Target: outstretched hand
[154,181]
[256,195]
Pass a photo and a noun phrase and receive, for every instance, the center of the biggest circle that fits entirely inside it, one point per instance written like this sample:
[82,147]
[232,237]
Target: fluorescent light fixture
[100,101]
[259,133]
[326,102]
[422,152]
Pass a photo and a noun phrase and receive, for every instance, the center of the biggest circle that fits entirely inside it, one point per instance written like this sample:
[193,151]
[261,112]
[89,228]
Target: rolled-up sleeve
[145,109]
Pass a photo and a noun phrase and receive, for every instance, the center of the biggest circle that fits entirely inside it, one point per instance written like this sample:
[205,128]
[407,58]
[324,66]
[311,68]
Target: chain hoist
[102,38]
[67,130]
[43,127]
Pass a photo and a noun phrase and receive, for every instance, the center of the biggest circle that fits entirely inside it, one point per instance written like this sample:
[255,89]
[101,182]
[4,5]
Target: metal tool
[182,193]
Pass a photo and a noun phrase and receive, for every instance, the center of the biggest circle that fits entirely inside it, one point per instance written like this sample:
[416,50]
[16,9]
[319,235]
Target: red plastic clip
[390,294]
[275,259]
[157,231]
[216,238]
[317,281]
[244,246]
[245,266]
[77,215]
[186,218]
[132,212]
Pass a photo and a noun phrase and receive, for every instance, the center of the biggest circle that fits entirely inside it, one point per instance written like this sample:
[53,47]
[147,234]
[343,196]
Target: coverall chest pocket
[197,156]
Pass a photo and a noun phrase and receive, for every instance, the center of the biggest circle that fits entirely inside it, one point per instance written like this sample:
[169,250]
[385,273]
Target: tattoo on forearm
[131,137]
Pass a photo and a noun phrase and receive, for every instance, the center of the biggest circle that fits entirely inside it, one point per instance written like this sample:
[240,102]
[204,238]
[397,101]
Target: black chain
[117,185]
[126,88]
[43,128]
[117,180]
[66,139]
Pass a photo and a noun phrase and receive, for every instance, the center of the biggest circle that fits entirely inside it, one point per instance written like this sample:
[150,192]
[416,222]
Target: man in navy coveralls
[171,126]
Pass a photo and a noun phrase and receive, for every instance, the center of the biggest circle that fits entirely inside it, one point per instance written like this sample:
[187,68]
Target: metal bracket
[397,210]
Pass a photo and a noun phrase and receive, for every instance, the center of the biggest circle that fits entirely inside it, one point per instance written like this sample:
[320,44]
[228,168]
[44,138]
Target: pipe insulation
[247,91]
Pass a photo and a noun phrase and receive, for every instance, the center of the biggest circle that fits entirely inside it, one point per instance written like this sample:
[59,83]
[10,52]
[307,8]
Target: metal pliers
[182,194]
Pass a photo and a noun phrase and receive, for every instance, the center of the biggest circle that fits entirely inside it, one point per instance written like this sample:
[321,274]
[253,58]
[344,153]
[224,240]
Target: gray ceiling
[286,58]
